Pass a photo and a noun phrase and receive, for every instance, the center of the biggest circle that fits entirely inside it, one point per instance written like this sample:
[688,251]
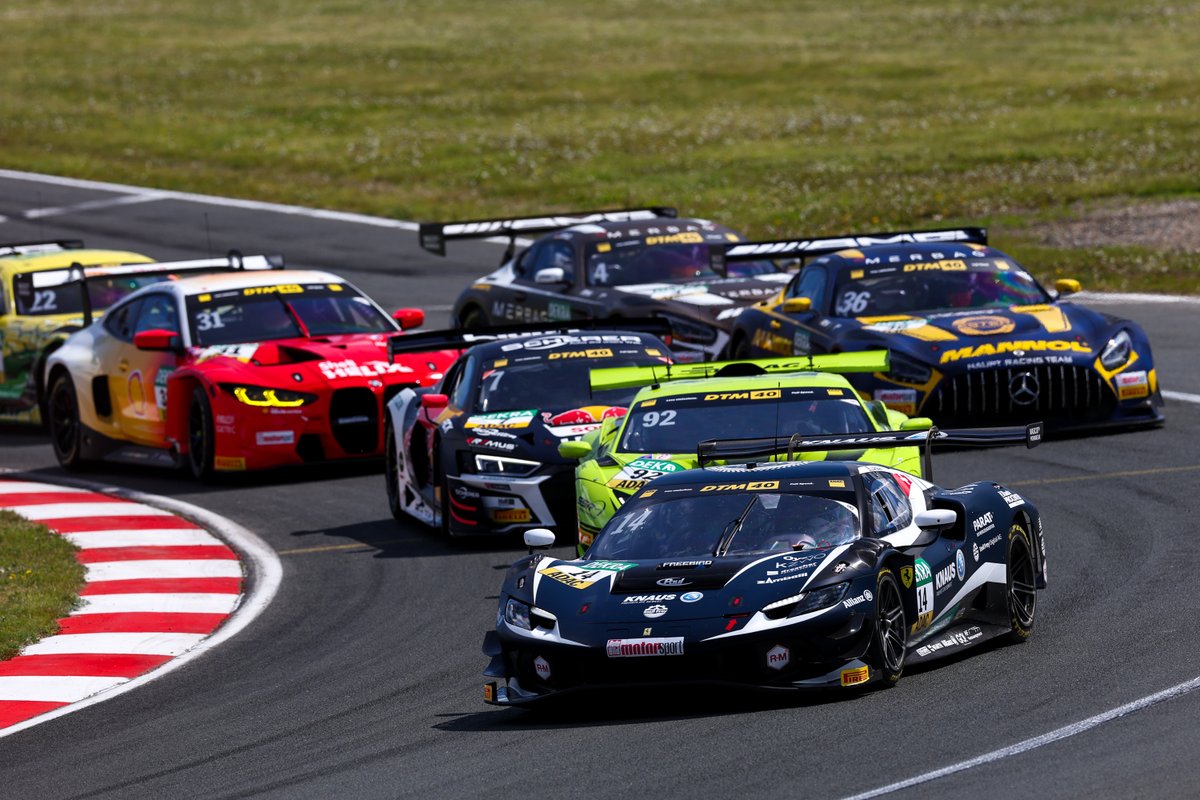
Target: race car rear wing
[461,339]
[770,446]
[628,377]
[27,284]
[434,235]
[50,246]
[808,247]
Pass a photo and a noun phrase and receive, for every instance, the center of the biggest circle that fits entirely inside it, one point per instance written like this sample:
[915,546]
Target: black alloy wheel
[200,436]
[391,471]
[1022,584]
[66,431]
[891,629]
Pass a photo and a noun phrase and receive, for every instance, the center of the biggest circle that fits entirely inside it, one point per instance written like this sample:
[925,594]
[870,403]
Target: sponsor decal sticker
[853,677]
[684,564]
[634,599]
[865,597]
[636,648]
[753,486]
[902,400]
[542,667]
[502,419]
[984,326]
[512,515]
[691,597]
[778,657]
[654,612]
[1132,385]
[349,368]
[229,463]
[1011,498]
[906,577]
[960,563]
[274,437]
[669,582]
[1019,347]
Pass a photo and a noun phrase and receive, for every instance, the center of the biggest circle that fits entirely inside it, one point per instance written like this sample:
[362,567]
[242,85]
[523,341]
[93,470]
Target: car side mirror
[797,305]
[936,518]
[156,339]
[1067,286]
[550,275]
[409,318]
[574,449]
[538,538]
[434,402]
[916,424]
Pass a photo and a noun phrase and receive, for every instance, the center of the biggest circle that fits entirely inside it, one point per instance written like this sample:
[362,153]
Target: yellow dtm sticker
[204,298]
[603,247]
[500,362]
[649,492]
[229,463]
[855,274]
[648,403]
[752,486]
[335,287]
[511,515]
[601,352]
[760,394]
[834,483]
[852,677]
[949,265]
[688,237]
[283,288]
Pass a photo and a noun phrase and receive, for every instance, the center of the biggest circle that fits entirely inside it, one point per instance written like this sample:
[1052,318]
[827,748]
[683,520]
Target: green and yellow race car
[683,404]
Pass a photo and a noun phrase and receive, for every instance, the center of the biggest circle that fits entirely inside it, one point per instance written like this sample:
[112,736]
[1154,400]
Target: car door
[137,378]
[555,300]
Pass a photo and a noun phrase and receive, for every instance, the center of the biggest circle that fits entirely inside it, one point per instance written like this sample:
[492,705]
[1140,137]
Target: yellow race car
[43,300]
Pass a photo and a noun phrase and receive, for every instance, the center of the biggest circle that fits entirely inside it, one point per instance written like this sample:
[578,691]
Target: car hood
[333,359]
[710,296]
[1062,332]
[533,433]
[672,590]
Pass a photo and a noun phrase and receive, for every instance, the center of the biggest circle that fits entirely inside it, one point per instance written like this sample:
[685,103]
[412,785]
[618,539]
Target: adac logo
[984,326]
[906,577]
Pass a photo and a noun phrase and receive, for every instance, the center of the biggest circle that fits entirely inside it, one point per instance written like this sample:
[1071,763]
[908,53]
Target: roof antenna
[208,234]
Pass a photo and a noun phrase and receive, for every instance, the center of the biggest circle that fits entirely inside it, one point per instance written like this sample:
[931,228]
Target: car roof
[782,380]
[912,251]
[57,259]
[640,227]
[216,282]
[734,474]
[572,341]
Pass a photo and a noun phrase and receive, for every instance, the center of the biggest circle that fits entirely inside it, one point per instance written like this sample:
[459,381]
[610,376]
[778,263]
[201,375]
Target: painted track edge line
[1182,397]
[1058,734]
[266,576]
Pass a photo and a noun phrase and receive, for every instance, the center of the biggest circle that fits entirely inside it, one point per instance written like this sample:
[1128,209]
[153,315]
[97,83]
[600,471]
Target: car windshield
[65,298]
[263,313]
[676,424]
[728,524]
[934,286]
[633,262]
[550,384]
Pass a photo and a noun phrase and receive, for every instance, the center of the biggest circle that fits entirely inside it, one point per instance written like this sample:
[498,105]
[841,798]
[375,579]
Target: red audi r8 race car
[233,372]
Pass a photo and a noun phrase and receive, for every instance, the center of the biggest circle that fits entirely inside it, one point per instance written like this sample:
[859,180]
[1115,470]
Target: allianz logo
[851,602]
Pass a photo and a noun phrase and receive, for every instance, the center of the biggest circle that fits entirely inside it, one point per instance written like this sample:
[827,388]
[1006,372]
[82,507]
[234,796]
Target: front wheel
[891,629]
[66,431]
[391,471]
[739,350]
[1022,584]
[200,436]
[473,317]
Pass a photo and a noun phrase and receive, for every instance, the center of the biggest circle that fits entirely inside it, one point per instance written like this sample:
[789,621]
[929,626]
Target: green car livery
[683,404]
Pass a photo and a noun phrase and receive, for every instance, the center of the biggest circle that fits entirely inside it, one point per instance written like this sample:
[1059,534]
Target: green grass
[39,582]
[777,117]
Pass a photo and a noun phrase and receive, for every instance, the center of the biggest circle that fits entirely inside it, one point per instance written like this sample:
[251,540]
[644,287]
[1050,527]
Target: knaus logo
[865,597]
[947,574]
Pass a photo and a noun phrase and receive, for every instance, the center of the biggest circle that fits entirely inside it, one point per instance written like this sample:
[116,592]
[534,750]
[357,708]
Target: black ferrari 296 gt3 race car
[614,265]
[478,453]
[782,575]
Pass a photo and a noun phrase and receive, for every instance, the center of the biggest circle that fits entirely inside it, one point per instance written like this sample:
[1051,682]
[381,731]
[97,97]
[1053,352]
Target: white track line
[1038,741]
[158,603]
[163,568]
[149,644]
[91,205]
[267,572]
[35,487]
[79,510]
[169,537]
[1182,397]
[54,688]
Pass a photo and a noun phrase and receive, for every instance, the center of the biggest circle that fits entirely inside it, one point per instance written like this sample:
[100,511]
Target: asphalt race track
[363,677]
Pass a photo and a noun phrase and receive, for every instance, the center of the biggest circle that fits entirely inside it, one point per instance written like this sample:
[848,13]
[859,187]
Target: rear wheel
[391,471]
[473,317]
[1022,584]
[66,431]
[200,436]
[740,348]
[891,629]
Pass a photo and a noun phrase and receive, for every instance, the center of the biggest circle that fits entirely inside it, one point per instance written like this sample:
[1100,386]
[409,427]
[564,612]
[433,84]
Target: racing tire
[473,317]
[1021,586]
[391,471]
[200,436]
[739,349]
[66,429]
[889,642]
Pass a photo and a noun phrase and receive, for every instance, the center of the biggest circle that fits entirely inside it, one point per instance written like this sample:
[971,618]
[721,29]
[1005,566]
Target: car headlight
[907,370]
[1117,351]
[516,614]
[267,397]
[507,467]
[805,602]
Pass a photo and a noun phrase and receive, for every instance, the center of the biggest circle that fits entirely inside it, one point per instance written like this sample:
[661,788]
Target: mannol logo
[844,243]
[488,226]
